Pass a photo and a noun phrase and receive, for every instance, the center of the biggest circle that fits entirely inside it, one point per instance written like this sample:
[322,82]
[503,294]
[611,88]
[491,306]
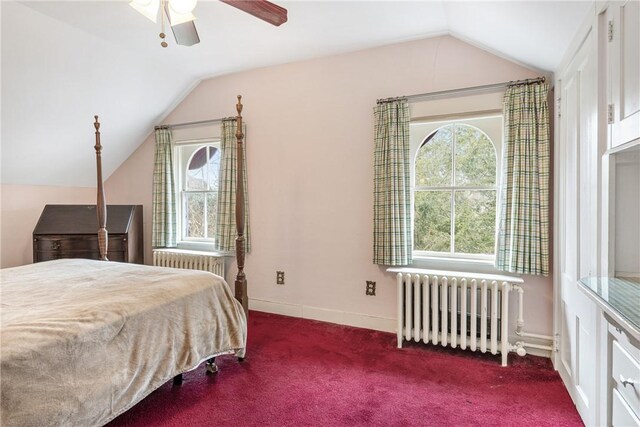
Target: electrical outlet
[279,277]
[371,288]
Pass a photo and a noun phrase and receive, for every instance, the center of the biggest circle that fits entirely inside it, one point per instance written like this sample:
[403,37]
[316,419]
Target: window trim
[457,264]
[182,242]
[439,122]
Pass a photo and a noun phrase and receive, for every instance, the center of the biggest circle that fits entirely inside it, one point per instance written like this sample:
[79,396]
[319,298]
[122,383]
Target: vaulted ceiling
[62,61]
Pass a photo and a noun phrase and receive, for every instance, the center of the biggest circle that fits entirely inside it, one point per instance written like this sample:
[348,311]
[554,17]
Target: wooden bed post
[241,280]
[101,207]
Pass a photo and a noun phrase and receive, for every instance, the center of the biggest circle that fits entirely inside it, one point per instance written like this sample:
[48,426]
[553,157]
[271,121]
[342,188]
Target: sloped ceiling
[63,61]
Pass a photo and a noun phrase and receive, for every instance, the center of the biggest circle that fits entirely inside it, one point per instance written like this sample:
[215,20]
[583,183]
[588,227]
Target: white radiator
[192,260]
[457,309]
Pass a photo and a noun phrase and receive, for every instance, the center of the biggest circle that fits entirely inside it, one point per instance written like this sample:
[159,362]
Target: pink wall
[20,209]
[310,162]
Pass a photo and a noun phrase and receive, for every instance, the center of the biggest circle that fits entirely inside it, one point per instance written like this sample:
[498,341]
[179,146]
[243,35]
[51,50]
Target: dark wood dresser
[71,231]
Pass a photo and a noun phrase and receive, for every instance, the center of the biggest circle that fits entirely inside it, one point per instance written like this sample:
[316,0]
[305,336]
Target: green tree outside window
[455,192]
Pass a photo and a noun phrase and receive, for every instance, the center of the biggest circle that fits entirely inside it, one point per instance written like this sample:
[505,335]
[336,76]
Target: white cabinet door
[576,163]
[624,71]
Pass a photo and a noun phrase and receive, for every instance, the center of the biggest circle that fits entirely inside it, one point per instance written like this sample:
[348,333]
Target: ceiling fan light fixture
[182,7]
[179,18]
[149,8]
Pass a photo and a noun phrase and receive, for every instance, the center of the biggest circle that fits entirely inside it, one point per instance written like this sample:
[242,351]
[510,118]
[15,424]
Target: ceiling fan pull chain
[163,43]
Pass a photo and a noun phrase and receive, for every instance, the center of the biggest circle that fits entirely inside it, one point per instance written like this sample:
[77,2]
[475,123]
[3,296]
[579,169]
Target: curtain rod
[201,122]
[466,90]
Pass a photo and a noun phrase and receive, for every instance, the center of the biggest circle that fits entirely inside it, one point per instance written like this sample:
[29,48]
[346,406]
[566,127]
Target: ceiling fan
[180,17]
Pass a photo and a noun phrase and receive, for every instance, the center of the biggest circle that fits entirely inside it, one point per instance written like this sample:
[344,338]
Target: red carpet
[305,373]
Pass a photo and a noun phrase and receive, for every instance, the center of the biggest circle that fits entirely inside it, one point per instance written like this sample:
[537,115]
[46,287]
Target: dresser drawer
[621,413]
[625,370]
[627,342]
[75,243]
[118,256]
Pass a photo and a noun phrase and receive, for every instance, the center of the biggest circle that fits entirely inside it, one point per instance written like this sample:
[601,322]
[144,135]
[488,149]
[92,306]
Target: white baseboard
[325,315]
[539,352]
[534,340]
[357,319]
[293,310]
[350,319]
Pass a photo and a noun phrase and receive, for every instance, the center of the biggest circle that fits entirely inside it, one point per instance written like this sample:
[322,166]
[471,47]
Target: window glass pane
[212,214]
[433,161]
[194,214]
[475,157]
[196,174]
[432,221]
[475,221]
[200,172]
[214,168]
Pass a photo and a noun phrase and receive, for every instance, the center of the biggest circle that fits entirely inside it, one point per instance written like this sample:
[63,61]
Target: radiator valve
[519,348]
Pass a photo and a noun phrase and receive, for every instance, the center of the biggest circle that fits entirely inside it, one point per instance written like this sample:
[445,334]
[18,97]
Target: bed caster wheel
[212,368]
[240,359]
[177,380]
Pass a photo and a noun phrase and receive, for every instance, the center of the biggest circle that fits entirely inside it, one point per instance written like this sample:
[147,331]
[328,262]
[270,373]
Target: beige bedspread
[82,341]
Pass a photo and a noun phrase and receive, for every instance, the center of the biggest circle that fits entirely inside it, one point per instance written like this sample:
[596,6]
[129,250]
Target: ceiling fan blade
[185,34]
[263,9]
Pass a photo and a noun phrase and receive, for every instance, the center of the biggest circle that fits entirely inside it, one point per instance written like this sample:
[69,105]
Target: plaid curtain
[164,204]
[226,224]
[523,233]
[392,237]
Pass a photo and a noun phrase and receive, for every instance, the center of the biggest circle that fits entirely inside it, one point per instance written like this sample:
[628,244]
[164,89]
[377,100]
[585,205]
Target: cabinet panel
[630,67]
[624,69]
[622,415]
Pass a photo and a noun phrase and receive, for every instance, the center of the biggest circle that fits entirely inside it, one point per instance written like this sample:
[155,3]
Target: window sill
[193,252]
[465,265]
[200,247]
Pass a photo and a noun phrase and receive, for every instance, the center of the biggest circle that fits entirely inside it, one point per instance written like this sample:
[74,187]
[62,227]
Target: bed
[84,340]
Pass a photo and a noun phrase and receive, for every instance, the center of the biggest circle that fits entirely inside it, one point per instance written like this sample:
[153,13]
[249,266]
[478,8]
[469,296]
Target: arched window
[455,192]
[199,191]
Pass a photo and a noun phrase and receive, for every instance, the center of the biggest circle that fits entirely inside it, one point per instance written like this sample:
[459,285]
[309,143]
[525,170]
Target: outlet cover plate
[279,277]
[371,288]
